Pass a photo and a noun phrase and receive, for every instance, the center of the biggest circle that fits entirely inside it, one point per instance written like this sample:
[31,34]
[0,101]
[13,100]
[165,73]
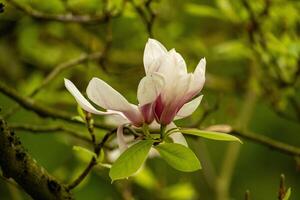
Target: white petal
[153,51]
[177,137]
[106,97]
[181,65]
[116,120]
[84,104]
[168,68]
[173,93]
[171,66]
[121,139]
[188,108]
[149,88]
[199,75]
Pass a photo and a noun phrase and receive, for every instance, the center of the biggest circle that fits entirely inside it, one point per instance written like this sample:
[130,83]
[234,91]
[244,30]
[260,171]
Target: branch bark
[16,163]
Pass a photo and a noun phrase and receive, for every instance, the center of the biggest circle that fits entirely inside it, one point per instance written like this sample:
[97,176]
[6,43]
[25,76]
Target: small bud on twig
[282,190]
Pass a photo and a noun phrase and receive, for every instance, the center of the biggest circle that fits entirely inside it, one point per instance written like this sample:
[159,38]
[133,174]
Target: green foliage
[179,157]
[210,135]
[131,160]
[254,49]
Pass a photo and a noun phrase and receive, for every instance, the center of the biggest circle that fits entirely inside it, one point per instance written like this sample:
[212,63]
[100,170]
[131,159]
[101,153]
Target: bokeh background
[253,68]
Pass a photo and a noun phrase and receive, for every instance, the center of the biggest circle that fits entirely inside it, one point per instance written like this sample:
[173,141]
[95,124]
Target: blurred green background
[253,67]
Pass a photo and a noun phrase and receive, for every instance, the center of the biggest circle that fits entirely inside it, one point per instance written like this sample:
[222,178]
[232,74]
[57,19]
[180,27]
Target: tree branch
[19,165]
[103,17]
[146,13]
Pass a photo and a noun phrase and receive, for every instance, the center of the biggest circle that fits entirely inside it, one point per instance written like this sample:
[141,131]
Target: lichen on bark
[16,163]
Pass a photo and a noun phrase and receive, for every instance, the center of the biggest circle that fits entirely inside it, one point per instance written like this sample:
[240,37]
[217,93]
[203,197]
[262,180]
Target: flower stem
[162,131]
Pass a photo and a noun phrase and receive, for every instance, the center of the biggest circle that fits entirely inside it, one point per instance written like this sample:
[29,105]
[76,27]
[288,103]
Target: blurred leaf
[31,83]
[203,11]
[129,11]
[179,157]
[84,6]
[227,8]
[146,178]
[179,191]
[131,160]
[53,6]
[84,154]
[234,49]
[287,194]
[210,135]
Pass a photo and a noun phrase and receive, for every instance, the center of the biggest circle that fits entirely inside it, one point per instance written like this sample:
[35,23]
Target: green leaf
[84,154]
[131,160]
[179,157]
[210,135]
[287,194]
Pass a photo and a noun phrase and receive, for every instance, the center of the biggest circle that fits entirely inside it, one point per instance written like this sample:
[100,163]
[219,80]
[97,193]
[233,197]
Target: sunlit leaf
[131,160]
[227,8]
[84,154]
[210,135]
[179,191]
[287,194]
[146,178]
[179,157]
[234,49]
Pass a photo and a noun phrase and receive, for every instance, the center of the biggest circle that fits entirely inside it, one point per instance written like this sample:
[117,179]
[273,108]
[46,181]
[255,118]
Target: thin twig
[92,162]
[39,129]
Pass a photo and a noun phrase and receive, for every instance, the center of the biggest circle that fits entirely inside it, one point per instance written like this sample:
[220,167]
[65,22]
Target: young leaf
[131,160]
[179,157]
[210,135]
[287,194]
[80,112]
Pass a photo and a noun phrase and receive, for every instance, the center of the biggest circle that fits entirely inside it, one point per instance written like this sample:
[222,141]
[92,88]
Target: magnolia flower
[174,99]
[164,94]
